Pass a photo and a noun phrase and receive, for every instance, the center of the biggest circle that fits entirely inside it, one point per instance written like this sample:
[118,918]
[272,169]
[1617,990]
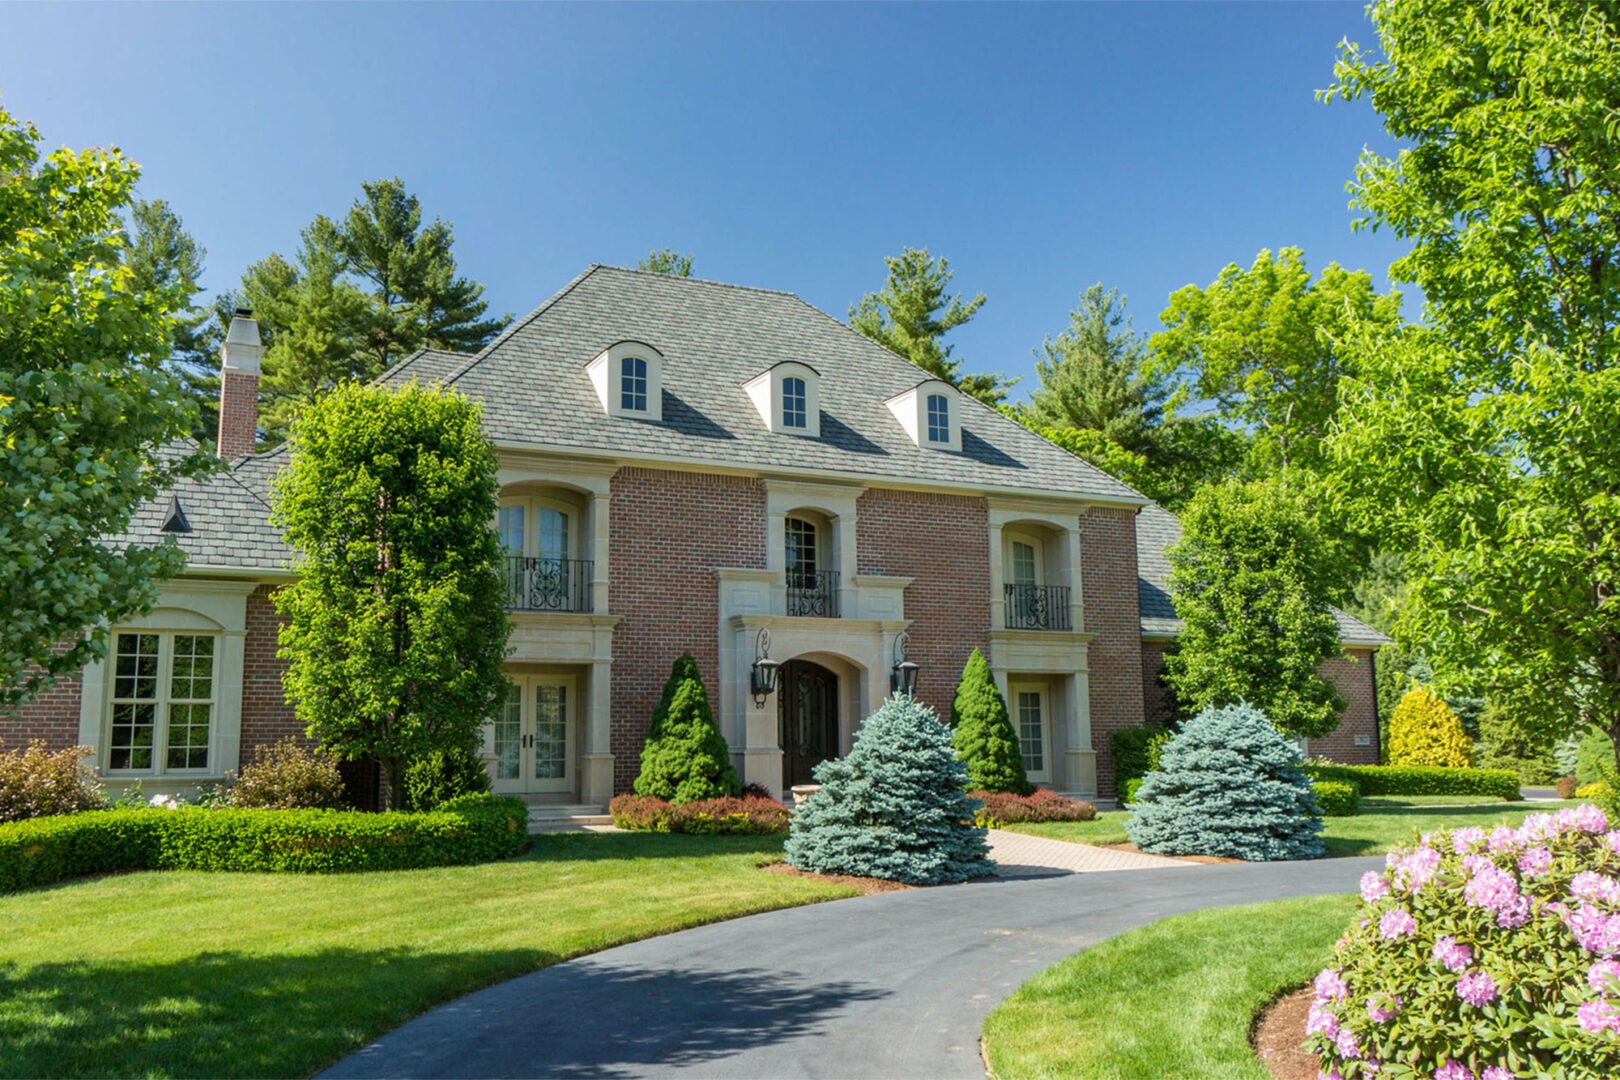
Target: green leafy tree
[1485,437]
[913,312]
[1250,578]
[163,256]
[86,404]
[666,261]
[983,734]
[396,625]
[1264,345]
[685,757]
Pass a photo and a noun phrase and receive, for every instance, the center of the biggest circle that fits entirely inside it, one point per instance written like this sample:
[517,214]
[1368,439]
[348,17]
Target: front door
[1030,708]
[807,718]
[534,736]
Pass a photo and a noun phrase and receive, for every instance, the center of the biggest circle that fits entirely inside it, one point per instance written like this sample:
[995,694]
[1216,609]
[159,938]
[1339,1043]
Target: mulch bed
[1279,1037]
[866,885]
[1133,849]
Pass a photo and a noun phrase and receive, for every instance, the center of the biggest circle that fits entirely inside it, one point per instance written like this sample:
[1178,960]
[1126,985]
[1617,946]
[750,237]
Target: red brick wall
[1113,618]
[668,532]
[53,715]
[266,716]
[941,542]
[238,413]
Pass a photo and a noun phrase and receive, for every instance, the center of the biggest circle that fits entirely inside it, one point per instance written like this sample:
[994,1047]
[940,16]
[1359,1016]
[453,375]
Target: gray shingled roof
[1156,529]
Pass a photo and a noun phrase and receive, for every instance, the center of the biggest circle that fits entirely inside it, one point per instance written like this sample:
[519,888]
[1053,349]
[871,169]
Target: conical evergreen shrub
[1228,784]
[983,734]
[1424,731]
[685,756]
[894,808]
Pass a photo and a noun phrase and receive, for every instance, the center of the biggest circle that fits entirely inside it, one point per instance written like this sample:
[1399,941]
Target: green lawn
[1382,823]
[194,974]
[1175,998]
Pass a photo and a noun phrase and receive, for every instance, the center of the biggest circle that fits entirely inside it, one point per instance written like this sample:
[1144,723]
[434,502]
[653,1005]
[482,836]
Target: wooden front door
[807,717]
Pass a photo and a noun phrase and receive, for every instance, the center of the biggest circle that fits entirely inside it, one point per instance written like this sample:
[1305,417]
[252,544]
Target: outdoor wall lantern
[762,677]
[903,677]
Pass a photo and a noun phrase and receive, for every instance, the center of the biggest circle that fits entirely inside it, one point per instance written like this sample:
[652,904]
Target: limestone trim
[1058,526]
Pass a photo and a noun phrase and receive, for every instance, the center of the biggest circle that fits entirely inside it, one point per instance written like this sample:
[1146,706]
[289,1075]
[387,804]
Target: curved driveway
[892,985]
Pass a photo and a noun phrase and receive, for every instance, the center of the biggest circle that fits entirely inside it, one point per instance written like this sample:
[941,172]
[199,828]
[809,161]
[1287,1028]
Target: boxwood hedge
[471,829]
[1421,779]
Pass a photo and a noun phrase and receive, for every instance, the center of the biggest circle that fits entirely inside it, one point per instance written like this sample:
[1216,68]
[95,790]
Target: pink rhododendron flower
[1321,1021]
[1465,838]
[1476,988]
[1496,1072]
[1537,827]
[1535,862]
[1329,1074]
[1397,923]
[1492,888]
[1503,838]
[1454,1070]
[1418,868]
[1515,914]
[1598,1016]
[1613,840]
[1382,1007]
[1330,985]
[1452,953]
[1346,1043]
[1590,885]
[1373,886]
[1604,976]
[1590,819]
[1594,931]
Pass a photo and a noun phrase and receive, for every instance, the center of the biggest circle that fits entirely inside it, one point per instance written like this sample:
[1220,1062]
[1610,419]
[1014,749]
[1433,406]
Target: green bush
[435,778]
[894,808]
[36,782]
[1127,793]
[1377,780]
[748,815]
[1229,785]
[1424,731]
[289,776]
[1135,751]
[1337,798]
[1594,760]
[1507,744]
[685,756]
[998,808]
[983,734]
[472,829]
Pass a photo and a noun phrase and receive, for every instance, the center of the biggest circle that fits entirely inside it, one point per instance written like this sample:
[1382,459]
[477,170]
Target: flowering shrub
[749,815]
[34,782]
[289,776]
[1004,808]
[1481,956]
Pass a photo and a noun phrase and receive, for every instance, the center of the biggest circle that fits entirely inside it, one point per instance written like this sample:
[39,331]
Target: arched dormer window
[788,397]
[939,418]
[931,414]
[628,378]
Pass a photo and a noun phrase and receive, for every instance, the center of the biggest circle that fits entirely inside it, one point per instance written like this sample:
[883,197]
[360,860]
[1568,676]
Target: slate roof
[1156,529]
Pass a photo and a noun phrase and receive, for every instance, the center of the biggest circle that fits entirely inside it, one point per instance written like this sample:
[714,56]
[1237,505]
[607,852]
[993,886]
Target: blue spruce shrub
[1230,785]
[895,808]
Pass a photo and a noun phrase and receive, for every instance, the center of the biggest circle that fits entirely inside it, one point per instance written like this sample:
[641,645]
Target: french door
[534,736]
[1030,713]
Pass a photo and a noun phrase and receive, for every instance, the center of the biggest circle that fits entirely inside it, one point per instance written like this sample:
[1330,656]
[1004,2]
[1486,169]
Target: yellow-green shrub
[1424,731]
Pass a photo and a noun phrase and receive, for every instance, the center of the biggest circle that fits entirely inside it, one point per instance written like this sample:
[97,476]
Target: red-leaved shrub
[35,782]
[1004,808]
[749,815]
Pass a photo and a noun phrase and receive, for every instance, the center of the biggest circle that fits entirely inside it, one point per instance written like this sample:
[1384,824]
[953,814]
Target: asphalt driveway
[892,985]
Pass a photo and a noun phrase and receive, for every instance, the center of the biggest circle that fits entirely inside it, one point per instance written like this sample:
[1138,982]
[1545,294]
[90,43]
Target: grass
[1175,998]
[194,974]
[1382,823]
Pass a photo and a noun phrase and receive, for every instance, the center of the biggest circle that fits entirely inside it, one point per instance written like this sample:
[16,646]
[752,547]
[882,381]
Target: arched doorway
[807,719]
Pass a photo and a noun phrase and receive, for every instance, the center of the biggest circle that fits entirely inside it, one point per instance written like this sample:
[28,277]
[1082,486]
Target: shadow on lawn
[591,847]
[226,1013]
[1424,819]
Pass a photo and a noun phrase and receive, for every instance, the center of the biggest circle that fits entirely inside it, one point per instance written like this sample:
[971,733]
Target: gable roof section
[1156,529]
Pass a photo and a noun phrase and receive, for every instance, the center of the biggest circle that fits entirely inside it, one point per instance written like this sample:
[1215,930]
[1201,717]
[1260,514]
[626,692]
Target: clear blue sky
[1039,148]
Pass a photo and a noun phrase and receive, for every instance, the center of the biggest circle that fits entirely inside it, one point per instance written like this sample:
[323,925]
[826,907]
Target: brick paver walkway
[1020,855]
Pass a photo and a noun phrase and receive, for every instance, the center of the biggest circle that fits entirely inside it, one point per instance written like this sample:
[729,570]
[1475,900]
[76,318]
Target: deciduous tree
[666,261]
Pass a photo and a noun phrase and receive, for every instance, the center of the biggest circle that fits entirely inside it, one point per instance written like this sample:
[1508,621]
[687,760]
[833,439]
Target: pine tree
[668,262]
[1424,731]
[894,808]
[685,757]
[983,734]
[1228,784]
[163,256]
[911,315]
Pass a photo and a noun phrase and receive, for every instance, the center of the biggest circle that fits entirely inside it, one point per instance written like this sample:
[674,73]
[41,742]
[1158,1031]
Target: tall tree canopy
[86,401]
[362,293]
[1264,345]
[164,256]
[913,312]
[1486,437]
[666,261]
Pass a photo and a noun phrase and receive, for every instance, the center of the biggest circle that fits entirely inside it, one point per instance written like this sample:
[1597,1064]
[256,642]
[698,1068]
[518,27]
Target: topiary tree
[1424,731]
[894,808]
[984,737]
[685,756]
[1230,785]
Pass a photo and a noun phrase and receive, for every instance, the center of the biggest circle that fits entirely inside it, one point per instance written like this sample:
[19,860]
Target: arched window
[811,589]
[542,568]
[939,418]
[795,413]
[633,384]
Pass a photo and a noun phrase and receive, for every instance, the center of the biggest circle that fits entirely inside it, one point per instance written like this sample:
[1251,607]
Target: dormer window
[926,412]
[939,418]
[628,378]
[788,397]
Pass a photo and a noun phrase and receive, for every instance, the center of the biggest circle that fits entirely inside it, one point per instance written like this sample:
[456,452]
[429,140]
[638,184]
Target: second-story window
[794,411]
[633,384]
[1023,564]
[939,418]
[801,553]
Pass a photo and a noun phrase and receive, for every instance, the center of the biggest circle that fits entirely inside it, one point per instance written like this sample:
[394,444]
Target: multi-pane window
[553,533]
[795,413]
[939,418]
[509,523]
[162,701]
[801,552]
[550,731]
[633,384]
[1031,731]
[509,734]
[1023,560]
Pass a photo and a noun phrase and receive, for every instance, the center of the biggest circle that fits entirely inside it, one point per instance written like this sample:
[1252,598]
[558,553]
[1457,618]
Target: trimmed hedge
[472,829]
[748,815]
[1337,798]
[1420,779]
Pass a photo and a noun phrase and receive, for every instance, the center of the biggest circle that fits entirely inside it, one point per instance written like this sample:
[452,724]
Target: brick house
[688,466]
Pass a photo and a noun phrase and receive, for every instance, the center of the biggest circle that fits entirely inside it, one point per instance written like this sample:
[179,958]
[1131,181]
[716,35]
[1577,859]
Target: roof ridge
[694,280]
[519,324]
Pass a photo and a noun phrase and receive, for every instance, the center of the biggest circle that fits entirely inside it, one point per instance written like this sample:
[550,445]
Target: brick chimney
[239,387]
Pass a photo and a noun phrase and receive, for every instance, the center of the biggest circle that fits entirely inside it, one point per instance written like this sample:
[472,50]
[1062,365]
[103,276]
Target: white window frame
[633,384]
[607,372]
[939,427]
[768,392]
[162,703]
[911,409]
[1043,696]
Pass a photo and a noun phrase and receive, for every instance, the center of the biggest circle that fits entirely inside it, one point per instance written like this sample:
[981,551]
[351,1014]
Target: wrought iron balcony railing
[534,584]
[813,593]
[1038,607]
